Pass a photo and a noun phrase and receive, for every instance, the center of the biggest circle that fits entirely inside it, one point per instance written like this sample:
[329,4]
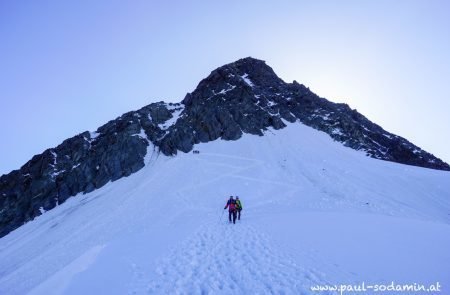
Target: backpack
[232,205]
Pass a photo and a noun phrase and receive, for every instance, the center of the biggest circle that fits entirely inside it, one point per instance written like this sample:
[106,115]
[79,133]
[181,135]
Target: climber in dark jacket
[231,205]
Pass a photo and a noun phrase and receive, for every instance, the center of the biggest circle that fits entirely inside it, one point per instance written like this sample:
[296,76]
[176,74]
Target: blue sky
[70,66]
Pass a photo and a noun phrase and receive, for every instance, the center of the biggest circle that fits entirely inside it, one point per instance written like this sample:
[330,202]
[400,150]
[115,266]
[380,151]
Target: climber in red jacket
[232,210]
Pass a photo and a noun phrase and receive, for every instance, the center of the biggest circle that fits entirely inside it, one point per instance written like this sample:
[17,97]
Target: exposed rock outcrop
[242,97]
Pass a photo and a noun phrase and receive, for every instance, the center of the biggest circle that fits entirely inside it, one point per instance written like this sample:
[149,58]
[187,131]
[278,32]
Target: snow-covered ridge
[313,210]
[117,149]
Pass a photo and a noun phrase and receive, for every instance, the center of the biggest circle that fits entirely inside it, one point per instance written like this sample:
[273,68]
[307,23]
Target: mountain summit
[241,97]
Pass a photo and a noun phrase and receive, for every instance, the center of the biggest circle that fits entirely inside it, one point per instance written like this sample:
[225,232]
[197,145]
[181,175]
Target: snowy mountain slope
[315,212]
[243,97]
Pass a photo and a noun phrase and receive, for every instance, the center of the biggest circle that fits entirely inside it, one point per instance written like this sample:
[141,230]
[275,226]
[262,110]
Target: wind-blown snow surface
[315,212]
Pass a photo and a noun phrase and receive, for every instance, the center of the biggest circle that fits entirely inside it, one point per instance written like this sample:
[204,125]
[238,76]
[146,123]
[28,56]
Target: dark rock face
[248,97]
[242,97]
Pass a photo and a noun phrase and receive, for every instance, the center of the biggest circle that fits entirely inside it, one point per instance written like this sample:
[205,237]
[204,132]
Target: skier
[238,208]
[231,205]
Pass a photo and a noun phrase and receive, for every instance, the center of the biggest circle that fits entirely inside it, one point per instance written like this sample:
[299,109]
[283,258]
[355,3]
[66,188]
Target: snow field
[315,212]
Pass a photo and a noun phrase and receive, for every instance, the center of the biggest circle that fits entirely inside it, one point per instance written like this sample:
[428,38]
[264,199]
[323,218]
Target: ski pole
[220,219]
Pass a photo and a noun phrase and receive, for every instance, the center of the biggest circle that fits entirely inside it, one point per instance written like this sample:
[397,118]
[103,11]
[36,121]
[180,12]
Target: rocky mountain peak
[255,70]
[244,74]
[243,97]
